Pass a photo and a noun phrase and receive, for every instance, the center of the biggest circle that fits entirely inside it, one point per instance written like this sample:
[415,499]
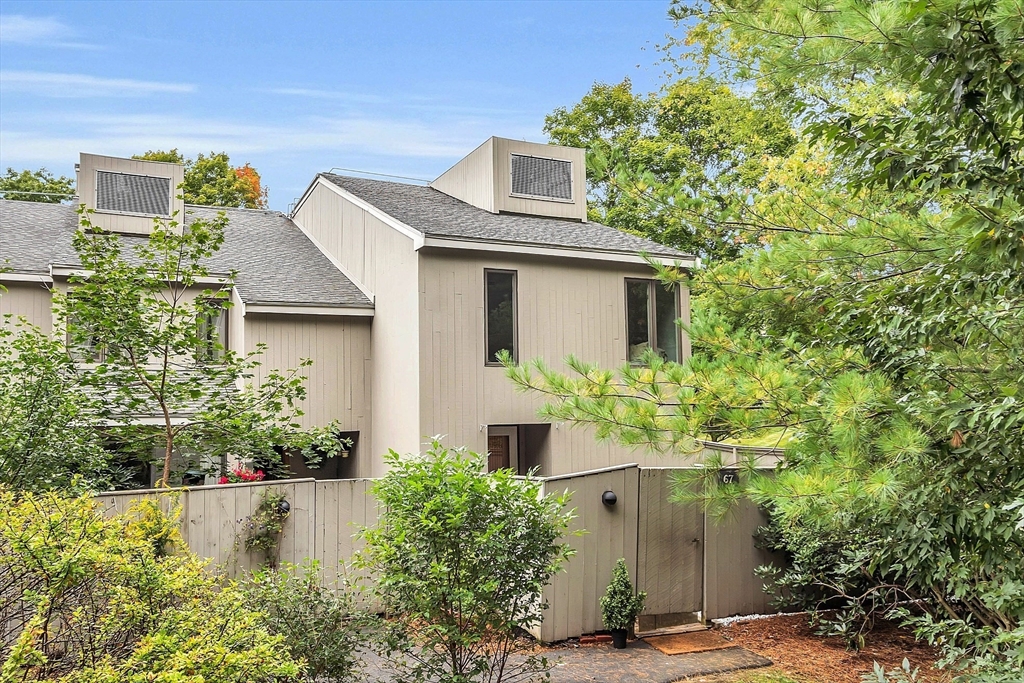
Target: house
[402,295]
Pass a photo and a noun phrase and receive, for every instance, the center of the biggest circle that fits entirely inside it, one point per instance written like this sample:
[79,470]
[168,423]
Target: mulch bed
[789,642]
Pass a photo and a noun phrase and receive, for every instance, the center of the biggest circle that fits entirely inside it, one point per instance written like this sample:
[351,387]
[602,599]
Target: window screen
[544,178]
[651,314]
[500,286]
[133,193]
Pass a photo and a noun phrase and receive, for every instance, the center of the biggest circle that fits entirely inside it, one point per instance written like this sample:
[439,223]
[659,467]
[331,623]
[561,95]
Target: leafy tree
[89,599]
[140,328]
[671,166]
[462,558]
[47,434]
[212,181]
[36,186]
[882,330]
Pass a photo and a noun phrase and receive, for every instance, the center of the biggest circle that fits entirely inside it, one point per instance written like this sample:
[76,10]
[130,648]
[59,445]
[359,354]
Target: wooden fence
[691,567]
[324,517]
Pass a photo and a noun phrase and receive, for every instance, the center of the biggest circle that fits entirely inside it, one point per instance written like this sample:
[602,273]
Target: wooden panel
[503,201]
[90,163]
[29,300]
[472,178]
[338,385]
[670,560]
[731,555]
[609,532]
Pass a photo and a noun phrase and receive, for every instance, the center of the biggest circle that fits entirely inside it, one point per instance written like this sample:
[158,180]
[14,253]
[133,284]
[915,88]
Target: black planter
[619,638]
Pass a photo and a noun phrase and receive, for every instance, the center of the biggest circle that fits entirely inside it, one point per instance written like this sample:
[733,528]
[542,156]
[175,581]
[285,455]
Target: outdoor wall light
[609,498]
[285,506]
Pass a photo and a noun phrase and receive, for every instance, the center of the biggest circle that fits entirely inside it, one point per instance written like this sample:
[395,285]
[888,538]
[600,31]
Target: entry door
[501,448]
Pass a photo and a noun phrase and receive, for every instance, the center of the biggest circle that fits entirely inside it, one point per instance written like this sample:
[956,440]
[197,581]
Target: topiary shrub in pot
[619,605]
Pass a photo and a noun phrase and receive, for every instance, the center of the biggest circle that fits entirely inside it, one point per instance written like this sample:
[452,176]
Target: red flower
[223,480]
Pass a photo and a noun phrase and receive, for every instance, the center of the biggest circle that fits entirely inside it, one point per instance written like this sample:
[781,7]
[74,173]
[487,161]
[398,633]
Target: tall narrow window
[500,302]
[651,314]
[212,332]
[84,346]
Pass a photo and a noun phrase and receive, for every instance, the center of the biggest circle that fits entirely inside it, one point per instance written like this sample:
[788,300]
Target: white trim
[563,252]
[26,277]
[351,311]
[416,236]
[584,473]
[69,271]
[330,257]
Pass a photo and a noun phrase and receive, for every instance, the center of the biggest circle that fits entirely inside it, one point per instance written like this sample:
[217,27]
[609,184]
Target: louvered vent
[130,193]
[541,178]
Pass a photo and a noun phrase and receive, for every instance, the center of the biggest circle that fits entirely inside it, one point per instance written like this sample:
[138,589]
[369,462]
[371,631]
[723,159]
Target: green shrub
[320,623]
[619,605]
[87,599]
[461,559]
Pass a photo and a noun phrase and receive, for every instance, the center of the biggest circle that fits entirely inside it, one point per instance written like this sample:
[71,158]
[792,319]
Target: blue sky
[296,88]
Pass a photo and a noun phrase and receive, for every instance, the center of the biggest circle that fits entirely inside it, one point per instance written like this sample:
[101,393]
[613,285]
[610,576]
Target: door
[502,448]
[670,554]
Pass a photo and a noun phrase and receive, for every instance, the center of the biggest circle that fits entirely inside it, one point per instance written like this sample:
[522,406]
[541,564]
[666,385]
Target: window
[84,347]
[500,303]
[651,314]
[212,332]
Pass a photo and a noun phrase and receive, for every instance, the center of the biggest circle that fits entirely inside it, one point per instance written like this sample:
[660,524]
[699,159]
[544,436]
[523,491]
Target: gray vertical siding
[339,384]
[564,307]
[670,547]
[600,535]
[730,557]
[384,263]
[30,300]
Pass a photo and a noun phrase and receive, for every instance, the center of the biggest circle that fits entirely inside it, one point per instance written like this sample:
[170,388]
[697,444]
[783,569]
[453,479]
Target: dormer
[127,194]
[513,176]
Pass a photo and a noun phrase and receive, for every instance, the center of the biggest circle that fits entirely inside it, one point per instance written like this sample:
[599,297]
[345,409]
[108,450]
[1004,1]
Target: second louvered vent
[130,193]
[541,178]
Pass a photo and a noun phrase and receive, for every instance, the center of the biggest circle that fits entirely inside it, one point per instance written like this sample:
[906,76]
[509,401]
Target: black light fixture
[285,506]
[609,498]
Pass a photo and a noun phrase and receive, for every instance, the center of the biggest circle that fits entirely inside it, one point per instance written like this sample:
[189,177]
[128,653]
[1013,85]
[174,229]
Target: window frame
[652,321]
[208,352]
[515,317]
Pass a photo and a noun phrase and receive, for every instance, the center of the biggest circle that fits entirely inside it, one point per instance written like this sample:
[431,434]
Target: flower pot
[619,638]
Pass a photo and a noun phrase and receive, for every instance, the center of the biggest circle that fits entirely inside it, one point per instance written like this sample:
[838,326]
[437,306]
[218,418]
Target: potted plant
[619,605]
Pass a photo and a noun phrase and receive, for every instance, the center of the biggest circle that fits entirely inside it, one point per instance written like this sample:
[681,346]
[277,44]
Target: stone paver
[638,662]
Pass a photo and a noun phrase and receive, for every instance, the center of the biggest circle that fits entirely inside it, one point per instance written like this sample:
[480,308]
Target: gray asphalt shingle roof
[436,214]
[275,262]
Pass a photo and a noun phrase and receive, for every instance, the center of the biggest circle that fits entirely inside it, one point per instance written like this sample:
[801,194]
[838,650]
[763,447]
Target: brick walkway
[638,662]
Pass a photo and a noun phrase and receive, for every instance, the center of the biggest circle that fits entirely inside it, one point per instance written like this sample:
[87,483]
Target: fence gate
[670,554]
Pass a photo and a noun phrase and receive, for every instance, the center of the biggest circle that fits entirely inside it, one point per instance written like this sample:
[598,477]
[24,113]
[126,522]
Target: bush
[462,558]
[87,599]
[619,605]
[321,625]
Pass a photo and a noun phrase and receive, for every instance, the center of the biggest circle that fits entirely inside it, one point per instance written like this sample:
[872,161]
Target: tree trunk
[165,479]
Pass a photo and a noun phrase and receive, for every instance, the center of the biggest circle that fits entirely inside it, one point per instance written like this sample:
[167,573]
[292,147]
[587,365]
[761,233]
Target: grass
[769,675]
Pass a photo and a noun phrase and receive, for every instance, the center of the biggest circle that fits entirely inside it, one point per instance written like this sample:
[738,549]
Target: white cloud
[33,142]
[314,93]
[18,29]
[64,85]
